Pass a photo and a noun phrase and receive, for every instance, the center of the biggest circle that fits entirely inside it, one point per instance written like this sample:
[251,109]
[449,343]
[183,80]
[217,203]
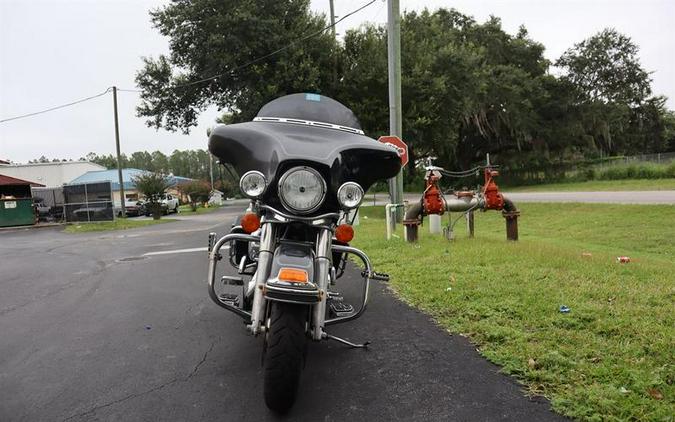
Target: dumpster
[16,212]
[16,202]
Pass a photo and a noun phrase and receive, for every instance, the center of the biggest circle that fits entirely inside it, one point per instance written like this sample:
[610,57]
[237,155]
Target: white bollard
[434,224]
[390,219]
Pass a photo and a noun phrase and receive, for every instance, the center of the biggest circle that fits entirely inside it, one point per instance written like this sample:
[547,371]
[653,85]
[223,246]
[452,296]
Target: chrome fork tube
[322,265]
[265,256]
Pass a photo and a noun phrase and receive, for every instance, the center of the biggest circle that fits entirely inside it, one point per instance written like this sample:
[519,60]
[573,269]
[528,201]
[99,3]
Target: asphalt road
[626,197]
[92,328]
[623,197]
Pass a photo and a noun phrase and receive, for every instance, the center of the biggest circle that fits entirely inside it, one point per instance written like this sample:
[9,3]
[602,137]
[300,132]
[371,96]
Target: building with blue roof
[130,192]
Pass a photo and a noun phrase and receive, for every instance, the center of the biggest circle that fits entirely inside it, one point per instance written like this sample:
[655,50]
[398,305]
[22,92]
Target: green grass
[200,210]
[611,358]
[118,224]
[599,185]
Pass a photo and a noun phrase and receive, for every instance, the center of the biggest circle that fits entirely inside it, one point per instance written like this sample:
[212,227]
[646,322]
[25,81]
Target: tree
[142,160]
[606,68]
[612,91]
[198,191]
[669,130]
[468,88]
[228,188]
[107,161]
[160,162]
[234,39]
[152,186]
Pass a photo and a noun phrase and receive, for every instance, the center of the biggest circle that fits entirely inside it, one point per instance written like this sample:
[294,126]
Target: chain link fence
[48,203]
[659,158]
[88,202]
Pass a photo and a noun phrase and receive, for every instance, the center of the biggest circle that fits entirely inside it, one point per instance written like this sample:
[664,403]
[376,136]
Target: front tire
[284,356]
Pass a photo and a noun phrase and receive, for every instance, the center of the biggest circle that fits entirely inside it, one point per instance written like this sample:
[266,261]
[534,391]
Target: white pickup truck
[169,204]
[134,207]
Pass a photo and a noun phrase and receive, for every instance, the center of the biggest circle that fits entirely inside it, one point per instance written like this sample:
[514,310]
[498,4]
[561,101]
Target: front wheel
[284,355]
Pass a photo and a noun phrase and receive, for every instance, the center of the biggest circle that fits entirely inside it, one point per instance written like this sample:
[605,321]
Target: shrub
[670,170]
[590,173]
[638,171]
[228,188]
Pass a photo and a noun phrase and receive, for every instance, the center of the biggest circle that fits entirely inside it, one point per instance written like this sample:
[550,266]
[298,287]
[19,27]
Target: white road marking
[188,250]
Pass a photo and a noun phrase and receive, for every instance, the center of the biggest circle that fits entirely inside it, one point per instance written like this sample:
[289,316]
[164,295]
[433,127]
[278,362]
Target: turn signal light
[293,275]
[344,233]
[250,222]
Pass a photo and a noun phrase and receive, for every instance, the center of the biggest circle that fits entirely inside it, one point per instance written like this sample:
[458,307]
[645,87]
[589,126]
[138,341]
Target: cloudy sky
[57,51]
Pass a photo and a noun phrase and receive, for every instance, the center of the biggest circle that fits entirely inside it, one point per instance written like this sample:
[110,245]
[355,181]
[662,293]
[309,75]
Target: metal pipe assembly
[434,202]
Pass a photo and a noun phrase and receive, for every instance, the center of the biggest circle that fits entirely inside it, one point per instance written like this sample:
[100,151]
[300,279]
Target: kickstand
[348,343]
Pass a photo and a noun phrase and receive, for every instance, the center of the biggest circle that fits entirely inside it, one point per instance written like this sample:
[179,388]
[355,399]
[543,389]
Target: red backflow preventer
[493,199]
[432,198]
[433,201]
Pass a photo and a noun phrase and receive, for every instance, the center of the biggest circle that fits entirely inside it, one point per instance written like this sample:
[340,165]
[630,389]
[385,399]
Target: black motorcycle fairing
[264,146]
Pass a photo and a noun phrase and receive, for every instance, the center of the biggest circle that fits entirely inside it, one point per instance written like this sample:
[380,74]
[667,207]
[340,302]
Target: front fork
[265,255]
[322,265]
[323,262]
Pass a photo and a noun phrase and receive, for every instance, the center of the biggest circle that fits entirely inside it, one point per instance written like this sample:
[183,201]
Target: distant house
[216,198]
[130,192]
[50,175]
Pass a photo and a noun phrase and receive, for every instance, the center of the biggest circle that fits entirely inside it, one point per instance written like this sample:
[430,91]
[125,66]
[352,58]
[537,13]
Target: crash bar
[214,257]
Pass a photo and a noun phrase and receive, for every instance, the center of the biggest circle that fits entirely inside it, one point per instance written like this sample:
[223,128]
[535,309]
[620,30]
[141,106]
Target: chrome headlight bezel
[341,190]
[316,174]
[248,175]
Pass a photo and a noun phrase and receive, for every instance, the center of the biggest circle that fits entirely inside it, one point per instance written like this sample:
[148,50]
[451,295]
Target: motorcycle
[305,165]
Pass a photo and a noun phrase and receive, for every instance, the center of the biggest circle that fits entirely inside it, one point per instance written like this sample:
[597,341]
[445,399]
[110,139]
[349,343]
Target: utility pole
[332,23]
[395,119]
[208,135]
[211,169]
[332,17]
[119,158]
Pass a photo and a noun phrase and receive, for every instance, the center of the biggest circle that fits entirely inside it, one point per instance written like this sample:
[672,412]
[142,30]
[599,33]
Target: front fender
[295,256]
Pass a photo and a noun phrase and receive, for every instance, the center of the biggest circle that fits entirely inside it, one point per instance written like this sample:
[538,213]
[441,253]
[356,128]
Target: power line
[275,52]
[55,108]
[279,50]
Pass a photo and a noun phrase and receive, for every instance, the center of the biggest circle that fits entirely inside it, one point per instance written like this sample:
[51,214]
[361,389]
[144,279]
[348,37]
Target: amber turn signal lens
[344,233]
[293,275]
[250,222]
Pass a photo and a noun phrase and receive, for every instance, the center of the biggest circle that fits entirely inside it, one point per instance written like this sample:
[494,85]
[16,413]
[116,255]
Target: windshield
[312,107]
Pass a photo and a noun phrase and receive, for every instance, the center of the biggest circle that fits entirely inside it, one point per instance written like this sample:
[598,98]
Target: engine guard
[275,292]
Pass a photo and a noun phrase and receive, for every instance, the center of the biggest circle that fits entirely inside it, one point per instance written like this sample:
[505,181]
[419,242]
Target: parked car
[134,209]
[41,209]
[47,212]
[168,204]
[99,213]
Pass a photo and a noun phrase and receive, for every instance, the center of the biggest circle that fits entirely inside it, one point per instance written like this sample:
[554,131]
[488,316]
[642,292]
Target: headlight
[302,189]
[350,195]
[253,184]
